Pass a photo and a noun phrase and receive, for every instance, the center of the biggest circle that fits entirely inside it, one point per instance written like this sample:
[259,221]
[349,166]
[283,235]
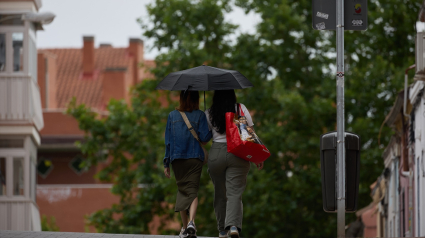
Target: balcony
[20,101]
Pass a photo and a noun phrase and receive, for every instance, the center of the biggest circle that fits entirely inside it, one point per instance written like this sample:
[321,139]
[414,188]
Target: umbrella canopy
[204,78]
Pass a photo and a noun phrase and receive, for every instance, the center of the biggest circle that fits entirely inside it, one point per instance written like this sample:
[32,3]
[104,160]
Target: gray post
[340,168]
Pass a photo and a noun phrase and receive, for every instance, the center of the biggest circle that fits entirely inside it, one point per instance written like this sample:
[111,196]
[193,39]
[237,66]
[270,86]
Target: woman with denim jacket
[186,156]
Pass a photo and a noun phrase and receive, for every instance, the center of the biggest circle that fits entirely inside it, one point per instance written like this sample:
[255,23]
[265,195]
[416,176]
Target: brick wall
[57,123]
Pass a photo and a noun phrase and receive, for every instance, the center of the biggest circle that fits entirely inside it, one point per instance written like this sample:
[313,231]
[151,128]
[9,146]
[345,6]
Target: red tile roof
[70,81]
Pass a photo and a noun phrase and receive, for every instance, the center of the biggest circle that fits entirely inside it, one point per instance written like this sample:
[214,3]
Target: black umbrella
[204,78]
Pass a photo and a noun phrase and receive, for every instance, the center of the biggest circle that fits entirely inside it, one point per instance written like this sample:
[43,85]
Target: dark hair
[189,101]
[223,101]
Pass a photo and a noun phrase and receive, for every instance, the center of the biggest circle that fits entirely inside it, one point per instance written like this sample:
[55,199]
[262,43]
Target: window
[412,127]
[11,20]
[44,167]
[11,143]
[75,164]
[18,43]
[33,179]
[2,176]
[18,176]
[2,52]
[12,52]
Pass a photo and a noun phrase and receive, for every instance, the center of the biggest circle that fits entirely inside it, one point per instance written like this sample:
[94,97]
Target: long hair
[189,101]
[223,101]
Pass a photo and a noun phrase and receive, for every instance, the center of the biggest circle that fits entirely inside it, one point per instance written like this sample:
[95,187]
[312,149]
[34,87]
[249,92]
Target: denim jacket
[179,142]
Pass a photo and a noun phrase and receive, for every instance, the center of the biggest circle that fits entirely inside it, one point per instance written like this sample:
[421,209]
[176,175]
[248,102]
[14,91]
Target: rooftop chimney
[136,50]
[88,55]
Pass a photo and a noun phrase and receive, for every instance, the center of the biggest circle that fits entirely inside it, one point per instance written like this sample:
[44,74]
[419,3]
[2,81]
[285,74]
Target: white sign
[320,26]
[357,22]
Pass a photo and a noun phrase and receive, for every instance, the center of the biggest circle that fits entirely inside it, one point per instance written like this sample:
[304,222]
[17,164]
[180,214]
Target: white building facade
[21,116]
[417,173]
[391,160]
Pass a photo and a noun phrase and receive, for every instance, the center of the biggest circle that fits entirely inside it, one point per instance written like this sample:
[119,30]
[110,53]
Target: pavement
[43,234]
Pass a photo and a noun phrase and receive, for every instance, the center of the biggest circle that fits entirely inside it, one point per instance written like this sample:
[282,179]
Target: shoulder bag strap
[241,113]
[189,126]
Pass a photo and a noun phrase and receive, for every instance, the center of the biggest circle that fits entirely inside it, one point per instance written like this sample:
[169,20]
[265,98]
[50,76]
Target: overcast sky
[109,21]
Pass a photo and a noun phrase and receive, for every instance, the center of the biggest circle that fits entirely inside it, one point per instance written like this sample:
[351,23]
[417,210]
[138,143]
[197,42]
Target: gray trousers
[228,174]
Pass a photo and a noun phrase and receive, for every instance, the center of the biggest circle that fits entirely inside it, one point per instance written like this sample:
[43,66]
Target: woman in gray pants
[228,172]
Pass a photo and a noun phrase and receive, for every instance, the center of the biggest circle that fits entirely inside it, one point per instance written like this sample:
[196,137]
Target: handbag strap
[189,126]
[239,110]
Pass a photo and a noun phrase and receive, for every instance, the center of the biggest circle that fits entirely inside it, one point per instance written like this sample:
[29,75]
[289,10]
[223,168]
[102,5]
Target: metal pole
[340,168]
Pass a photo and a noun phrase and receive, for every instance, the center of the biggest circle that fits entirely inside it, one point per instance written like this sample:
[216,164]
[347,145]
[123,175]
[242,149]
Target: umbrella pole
[205,104]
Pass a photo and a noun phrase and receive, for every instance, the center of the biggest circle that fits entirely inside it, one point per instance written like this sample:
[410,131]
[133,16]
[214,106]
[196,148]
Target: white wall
[419,169]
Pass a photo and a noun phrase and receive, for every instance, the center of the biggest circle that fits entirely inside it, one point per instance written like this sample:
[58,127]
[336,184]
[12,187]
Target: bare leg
[192,211]
[183,214]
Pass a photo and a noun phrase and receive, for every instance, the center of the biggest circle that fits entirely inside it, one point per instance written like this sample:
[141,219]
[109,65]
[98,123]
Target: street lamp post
[333,15]
[340,168]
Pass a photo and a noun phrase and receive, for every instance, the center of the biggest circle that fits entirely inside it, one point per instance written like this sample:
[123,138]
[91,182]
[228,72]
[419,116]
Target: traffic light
[328,158]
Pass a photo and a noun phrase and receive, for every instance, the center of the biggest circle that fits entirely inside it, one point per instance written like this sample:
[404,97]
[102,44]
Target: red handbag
[242,140]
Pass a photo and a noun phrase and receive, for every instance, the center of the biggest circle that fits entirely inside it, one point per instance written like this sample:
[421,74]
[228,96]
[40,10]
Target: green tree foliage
[303,95]
[132,139]
[48,224]
[192,32]
[293,101]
